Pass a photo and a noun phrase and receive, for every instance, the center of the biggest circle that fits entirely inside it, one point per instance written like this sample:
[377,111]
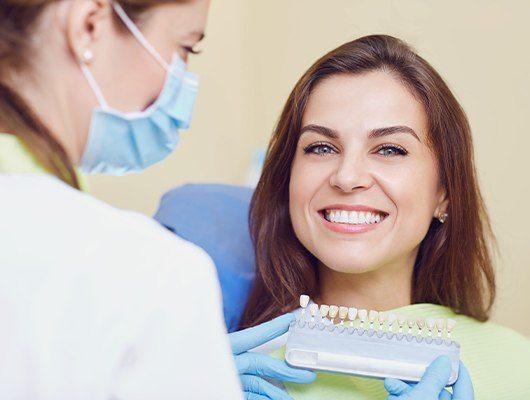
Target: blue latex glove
[253,367]
[432,384]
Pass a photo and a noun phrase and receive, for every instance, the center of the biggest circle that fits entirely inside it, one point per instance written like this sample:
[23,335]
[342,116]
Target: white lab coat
[99,303]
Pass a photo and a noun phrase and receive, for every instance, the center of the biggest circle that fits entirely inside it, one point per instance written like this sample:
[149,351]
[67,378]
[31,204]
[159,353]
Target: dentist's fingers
[259,386]
[435,378]
[463,388]
[252,337]
[264,365]
[396,388]
[254,396]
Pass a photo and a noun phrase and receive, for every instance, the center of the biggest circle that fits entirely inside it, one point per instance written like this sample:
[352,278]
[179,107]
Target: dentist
[95,302]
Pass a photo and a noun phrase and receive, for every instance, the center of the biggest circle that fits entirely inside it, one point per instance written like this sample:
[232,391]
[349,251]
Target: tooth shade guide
[450,325]
[382,317]
[440,325]
[363,314]
[324,310]
[333,311]
[352,314]
[313,310]
[391,321]
[401,322]
[304,301]
[343,314]
[430,322]
[421,325]
[380,321]
[372,317]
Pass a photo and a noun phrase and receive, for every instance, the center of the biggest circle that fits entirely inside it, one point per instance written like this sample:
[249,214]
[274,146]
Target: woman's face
[364,184]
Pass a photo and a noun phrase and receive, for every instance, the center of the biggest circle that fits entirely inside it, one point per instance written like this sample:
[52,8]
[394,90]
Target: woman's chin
[350,265]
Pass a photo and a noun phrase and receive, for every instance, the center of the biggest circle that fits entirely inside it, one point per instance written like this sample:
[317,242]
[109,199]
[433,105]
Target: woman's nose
[351,173]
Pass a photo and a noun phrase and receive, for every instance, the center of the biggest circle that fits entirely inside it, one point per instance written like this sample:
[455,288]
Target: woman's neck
[384,289]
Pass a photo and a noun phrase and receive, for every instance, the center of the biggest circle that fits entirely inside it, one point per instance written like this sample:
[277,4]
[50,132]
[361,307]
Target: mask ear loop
[139,35]
[94,86]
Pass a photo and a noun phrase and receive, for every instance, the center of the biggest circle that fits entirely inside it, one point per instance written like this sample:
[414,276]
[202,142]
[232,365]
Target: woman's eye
[191,50]
[320,148]
[388,150]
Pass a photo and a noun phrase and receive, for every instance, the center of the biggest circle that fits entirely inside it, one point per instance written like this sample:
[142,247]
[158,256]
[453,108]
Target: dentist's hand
[432,385]
[253,367]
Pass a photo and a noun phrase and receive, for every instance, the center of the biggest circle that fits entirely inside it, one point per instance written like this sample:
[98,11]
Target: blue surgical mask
[120,142]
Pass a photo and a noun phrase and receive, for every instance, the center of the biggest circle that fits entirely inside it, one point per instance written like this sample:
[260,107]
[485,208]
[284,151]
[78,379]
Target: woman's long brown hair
[454,263]
[18,20]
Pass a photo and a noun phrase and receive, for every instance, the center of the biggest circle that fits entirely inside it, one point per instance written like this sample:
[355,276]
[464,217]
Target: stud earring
[442,217]
[87,55]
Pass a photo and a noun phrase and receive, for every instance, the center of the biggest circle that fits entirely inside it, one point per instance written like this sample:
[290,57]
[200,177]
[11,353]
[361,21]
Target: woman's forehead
[364,102]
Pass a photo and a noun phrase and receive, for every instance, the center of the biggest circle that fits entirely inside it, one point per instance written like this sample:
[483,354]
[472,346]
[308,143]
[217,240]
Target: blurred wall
[256,50]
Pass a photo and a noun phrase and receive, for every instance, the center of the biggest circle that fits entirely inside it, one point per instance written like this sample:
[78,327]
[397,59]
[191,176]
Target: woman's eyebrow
[391,130]
[328,132]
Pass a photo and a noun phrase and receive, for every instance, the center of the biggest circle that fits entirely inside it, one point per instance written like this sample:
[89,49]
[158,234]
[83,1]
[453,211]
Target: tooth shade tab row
[375,320]
[353,217]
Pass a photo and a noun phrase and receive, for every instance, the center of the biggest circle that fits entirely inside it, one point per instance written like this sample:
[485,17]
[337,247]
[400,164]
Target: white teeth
[377,320]
[313,309]
[382,317]
[391,319]
[372,317]
[324,309]
[353,217]
[333,310]
[304,300]
[411,322]
[352,313]
[430,322]
[440,324]
[343,313]
[362,218]
[363,314]
[401,321]
[450,325]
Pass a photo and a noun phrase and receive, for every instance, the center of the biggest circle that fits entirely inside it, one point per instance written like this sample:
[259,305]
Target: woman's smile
[351,219]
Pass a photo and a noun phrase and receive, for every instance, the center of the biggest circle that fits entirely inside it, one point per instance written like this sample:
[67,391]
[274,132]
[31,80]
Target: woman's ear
[443,203]
[86,23]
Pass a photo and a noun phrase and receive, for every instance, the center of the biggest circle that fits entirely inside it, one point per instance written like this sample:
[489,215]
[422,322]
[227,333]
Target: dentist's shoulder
[110,290]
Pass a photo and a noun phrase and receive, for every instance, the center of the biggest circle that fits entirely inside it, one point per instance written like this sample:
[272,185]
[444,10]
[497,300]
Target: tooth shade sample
[362,315]
[304,300]
[451,323]
[352,313]
[372,315]
[333,310]
[430,324]
[343,312]
[313,309]
[324,309]
[440,324]
[382,317]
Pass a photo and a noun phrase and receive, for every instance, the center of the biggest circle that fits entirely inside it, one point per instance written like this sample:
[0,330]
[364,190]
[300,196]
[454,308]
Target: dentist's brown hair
[18,21]
[454,263]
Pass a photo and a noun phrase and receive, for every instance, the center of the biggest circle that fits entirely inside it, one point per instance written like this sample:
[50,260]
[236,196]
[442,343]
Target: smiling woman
[369,199]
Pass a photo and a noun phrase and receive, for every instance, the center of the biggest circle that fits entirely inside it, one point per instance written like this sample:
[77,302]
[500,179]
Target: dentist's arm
[432,385]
